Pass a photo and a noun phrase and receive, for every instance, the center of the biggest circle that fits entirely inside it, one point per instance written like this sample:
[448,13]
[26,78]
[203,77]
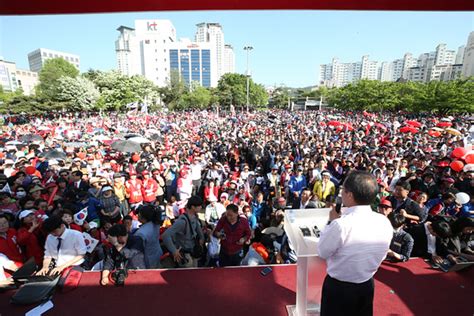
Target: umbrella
[14,143]
[453,131]
[156,137]
[127,136]
[139,139]
[31,138]
[75,144]
[55,154]
[444,124]
[126,146]
[414,123]
[334,123]
[408,129]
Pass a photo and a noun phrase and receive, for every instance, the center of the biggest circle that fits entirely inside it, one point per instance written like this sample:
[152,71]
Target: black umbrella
[131,135]
[29,138]
[55,154]
[126,146]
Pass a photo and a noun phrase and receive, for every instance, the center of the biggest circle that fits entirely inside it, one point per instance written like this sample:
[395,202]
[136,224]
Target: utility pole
[248,48]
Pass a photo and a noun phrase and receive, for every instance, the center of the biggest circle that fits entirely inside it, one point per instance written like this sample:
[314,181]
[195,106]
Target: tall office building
[37,58]
[468,61]
[212,33]
[146,50]
[127,51]
[192,62]
[385,71]
[229,59]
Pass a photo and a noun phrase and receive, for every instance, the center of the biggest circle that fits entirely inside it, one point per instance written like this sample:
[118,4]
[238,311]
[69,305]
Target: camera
[119,276]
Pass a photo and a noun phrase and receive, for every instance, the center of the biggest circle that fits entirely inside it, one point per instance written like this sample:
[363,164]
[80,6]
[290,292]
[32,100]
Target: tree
[80,93]
[232,89]
[117,90]
[173,93]
[52,71]
[280,98]
[199,97]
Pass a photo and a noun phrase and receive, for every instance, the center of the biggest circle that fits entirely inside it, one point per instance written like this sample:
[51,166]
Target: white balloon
[462,198]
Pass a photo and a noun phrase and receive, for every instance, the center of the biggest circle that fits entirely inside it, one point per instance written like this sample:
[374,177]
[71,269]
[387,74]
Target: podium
[302,227]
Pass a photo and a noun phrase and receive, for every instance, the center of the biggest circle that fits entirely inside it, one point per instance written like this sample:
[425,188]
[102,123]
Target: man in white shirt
[64,247]
[354,245]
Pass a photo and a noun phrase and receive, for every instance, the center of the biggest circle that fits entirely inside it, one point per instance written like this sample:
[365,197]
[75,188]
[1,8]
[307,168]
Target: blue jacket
[149,235]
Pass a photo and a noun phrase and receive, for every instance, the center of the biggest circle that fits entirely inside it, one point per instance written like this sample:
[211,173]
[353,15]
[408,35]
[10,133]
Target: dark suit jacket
[296,204]
[420,247]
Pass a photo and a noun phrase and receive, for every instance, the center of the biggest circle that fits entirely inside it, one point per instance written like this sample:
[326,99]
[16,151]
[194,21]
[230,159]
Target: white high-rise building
[460,55]
[212,33]
[229,59]
[443,56]
[37,58]
[339,74]
[468,61]
[127,51]
[368,69]
[385,71]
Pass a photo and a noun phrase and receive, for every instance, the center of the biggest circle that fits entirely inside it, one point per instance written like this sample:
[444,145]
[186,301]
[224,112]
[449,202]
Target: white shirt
[219,209]
[72,245]
[355,244]
[430,240]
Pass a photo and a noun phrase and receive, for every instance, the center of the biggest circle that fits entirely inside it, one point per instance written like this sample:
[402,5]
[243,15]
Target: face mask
[20,194]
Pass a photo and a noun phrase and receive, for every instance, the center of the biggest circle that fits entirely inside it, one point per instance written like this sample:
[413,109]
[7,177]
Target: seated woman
[402,243]
[8,242]
[111,205]
[31,236]
[460,244]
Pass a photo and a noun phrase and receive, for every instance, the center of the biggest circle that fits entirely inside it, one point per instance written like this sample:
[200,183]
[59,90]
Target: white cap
[25,213]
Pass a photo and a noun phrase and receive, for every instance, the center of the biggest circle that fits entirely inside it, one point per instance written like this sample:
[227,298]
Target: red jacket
[233,233]
[10,248]
[31,243]
[134,190]
[149,188]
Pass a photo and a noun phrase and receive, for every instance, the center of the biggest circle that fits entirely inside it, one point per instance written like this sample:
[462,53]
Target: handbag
[198,250]
[70,278]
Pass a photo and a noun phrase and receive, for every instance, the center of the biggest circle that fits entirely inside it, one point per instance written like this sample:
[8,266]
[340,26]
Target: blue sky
[288,46]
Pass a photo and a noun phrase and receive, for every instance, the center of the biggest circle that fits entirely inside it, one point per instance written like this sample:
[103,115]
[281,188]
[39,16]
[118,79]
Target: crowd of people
[193,189]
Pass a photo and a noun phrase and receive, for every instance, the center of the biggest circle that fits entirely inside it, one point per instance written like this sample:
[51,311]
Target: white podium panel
[303,229]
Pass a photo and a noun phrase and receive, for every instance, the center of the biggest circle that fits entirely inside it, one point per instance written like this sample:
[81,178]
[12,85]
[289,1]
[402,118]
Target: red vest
[10,248]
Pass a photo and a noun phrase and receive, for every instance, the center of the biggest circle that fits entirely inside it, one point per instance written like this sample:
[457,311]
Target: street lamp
[248,49]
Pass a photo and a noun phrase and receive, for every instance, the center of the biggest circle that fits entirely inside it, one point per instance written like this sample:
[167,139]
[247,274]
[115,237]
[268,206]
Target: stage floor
[412,288]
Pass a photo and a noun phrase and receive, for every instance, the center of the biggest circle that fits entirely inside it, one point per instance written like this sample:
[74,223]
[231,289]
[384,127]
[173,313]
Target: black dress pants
[347,299]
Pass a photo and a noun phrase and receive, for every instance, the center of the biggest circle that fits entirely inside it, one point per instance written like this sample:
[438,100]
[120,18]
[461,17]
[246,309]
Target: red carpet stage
[412,288]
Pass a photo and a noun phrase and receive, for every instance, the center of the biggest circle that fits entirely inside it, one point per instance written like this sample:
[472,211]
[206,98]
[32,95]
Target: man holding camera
[121,256]
[354,245]
[185,235]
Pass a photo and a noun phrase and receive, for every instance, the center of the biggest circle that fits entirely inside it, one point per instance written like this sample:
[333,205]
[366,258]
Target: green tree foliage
[80,93]
[173,93]
[52,71]
[232,89]
[199,97]
[435,96]
[117,90]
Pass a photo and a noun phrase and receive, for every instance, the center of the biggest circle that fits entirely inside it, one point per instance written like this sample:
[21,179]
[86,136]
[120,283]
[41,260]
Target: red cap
[385,202]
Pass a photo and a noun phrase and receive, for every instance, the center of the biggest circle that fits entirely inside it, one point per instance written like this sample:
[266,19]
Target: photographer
[121,256]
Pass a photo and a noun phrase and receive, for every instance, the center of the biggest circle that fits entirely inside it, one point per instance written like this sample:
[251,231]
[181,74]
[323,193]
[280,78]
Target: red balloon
[469,158]
[135,158]
[30,170]
[459,152]
[457,165]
